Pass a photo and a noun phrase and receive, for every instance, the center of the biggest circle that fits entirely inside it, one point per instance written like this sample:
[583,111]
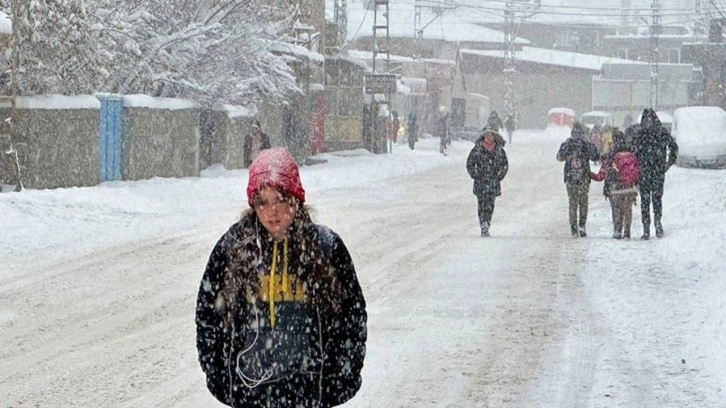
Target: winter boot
[617,235]
[582,232]
[658,229]
[485,229]
[646,232]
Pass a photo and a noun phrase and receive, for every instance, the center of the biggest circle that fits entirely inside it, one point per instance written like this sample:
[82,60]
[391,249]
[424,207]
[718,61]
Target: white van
[592,118]
[700,132]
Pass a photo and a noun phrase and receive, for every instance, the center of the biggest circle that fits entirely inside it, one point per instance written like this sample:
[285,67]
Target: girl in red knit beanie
[281,318]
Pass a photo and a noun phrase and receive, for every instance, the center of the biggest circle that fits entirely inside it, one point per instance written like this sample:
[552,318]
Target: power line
[346,43]
[555,10]
[688,16]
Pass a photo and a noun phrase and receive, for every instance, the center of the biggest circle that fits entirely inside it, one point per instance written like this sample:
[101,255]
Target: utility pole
[510,68]
[698,24]
[655,29]
[702,16]
[340,11]
[437,8]
[512,13]
[383,26]
[417,27]
[381,81]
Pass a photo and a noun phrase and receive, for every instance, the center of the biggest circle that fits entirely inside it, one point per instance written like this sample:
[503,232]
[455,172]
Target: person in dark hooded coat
[487,165]
[412,130]
[656,151]
[254,142]
[280,316]
[577,152]
[494,121]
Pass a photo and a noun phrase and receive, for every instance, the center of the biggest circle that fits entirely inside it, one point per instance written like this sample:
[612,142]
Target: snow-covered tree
[208,50]
[57,48]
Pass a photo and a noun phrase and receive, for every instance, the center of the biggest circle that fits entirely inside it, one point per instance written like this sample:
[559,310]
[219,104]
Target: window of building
[674,55]
[331,97]
[331,72]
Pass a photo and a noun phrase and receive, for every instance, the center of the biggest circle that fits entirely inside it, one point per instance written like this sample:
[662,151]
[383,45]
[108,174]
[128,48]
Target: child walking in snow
[619,169]
[281,318]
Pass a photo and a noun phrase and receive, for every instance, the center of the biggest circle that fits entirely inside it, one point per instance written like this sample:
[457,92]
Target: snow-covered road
[98,288]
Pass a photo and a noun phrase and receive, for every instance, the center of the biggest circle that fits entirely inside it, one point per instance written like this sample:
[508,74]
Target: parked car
[560,117]
[700,132]
[592,118]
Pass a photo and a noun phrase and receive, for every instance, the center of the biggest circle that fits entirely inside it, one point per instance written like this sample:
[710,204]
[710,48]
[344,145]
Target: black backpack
[578,166]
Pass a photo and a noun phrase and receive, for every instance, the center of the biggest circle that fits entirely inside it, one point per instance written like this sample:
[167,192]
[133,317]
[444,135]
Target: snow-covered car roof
[596,113]
[566,111]
[700,130]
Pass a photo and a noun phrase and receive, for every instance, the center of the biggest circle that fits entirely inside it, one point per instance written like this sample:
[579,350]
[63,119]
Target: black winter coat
[656,151]
[581,151]
[313,356]
[487,168]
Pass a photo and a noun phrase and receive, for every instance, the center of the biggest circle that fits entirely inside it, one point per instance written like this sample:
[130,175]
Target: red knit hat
[277,168]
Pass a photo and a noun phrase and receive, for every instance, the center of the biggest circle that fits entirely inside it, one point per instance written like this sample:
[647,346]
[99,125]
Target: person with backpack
[656,151]
[487,165]
[619,169]
[577,152]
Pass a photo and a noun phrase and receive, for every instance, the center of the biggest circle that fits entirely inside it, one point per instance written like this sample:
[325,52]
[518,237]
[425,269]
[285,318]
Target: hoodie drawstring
[273,279]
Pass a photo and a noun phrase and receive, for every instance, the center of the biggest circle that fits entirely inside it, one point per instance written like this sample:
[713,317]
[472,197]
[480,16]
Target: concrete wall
[222,138]
[160,143]
[57,147]
[57,139]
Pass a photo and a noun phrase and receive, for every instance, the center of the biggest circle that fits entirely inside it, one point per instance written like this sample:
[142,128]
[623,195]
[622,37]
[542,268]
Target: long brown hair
[309,261]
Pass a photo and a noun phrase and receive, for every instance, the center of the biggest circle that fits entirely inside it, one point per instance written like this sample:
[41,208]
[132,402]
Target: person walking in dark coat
[656,151]
[509,126]
[487,165]
[577,152]
[443,131]
[494,121]
[254,142]
[412,130]
[281,318]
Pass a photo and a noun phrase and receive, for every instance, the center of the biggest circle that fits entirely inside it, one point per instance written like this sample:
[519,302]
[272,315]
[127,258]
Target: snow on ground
[97,286]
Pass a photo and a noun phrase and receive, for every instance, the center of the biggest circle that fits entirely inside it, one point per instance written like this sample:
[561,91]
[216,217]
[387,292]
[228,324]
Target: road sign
[380,83]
